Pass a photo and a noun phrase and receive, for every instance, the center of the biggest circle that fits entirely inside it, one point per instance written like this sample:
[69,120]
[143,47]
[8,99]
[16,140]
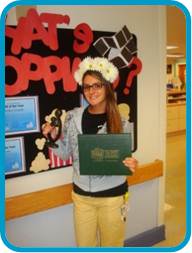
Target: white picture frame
[21,115]
[14,155]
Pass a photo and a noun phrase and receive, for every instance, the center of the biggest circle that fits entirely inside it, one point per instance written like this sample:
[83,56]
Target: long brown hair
[114,123]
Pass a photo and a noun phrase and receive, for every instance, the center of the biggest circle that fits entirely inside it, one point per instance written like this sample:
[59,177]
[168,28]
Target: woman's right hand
[47,128]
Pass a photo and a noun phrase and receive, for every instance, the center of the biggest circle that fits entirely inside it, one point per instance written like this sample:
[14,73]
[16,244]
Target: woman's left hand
[131,163]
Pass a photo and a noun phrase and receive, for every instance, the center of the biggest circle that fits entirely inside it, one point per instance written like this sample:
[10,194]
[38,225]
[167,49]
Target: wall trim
[33,202]
[147,238]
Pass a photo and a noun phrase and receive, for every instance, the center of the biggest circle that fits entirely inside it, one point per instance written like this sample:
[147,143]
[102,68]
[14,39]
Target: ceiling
[176,31]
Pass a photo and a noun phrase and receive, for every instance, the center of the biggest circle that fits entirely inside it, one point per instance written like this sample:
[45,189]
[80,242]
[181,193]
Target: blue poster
[14,156]
[21,115]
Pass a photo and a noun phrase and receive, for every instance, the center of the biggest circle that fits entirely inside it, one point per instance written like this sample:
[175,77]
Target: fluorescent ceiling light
[171,47]
[175,55]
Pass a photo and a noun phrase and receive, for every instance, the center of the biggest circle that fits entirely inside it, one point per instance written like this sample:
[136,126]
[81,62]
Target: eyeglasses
[94,86]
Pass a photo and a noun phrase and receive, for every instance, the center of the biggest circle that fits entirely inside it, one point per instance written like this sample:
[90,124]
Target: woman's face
[94,91]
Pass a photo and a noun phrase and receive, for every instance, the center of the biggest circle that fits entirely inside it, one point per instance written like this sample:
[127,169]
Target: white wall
[148,24]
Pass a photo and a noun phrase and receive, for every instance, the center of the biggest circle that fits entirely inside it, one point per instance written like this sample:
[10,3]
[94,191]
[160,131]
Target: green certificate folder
[102,154]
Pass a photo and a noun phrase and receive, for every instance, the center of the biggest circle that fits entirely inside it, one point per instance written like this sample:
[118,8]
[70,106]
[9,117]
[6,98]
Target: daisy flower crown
[100,64]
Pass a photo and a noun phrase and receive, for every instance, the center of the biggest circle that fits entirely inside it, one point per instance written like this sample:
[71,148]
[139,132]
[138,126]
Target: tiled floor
[175,207]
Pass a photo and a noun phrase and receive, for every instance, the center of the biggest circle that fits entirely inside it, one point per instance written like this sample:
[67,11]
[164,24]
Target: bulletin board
[39,79]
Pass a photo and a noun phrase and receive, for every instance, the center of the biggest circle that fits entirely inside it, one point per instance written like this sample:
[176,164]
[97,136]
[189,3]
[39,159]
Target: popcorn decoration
[40,163]
[40,143]
[100,64]
[124,110]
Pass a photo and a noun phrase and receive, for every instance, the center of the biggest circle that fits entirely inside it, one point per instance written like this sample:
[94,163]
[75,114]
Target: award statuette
[102,154]
[56,122]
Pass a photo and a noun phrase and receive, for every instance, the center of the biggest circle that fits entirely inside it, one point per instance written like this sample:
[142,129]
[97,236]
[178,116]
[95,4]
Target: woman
[99,201]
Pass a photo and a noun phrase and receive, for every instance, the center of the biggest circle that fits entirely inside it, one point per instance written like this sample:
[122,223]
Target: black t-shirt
[91,123]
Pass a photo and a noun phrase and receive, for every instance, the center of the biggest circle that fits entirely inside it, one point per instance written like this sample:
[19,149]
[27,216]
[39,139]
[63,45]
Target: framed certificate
[21,115]
[14,156]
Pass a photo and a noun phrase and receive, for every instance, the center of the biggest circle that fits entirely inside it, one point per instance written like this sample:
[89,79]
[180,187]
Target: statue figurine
[56,122]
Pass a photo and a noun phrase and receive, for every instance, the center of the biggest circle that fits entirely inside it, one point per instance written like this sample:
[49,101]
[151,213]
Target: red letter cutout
[135,61]
[51,76]
[69,83]
[34,24]
[18,35]
[36,73]
[53,20]
[84,34]
[24,34]
[21,82]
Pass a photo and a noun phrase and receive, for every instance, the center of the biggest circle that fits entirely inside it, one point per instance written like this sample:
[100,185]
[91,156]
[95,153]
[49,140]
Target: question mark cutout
[136,61]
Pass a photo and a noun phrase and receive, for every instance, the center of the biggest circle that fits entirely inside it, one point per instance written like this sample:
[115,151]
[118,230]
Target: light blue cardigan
[68,146]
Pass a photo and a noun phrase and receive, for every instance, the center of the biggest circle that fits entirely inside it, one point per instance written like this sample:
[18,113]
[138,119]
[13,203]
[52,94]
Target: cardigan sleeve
[127,127]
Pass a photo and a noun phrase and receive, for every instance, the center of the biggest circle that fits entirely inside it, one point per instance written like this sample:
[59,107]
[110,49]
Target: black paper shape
[119,48]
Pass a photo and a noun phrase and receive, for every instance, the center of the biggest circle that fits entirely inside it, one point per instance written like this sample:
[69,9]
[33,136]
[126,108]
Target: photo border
[188,127]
